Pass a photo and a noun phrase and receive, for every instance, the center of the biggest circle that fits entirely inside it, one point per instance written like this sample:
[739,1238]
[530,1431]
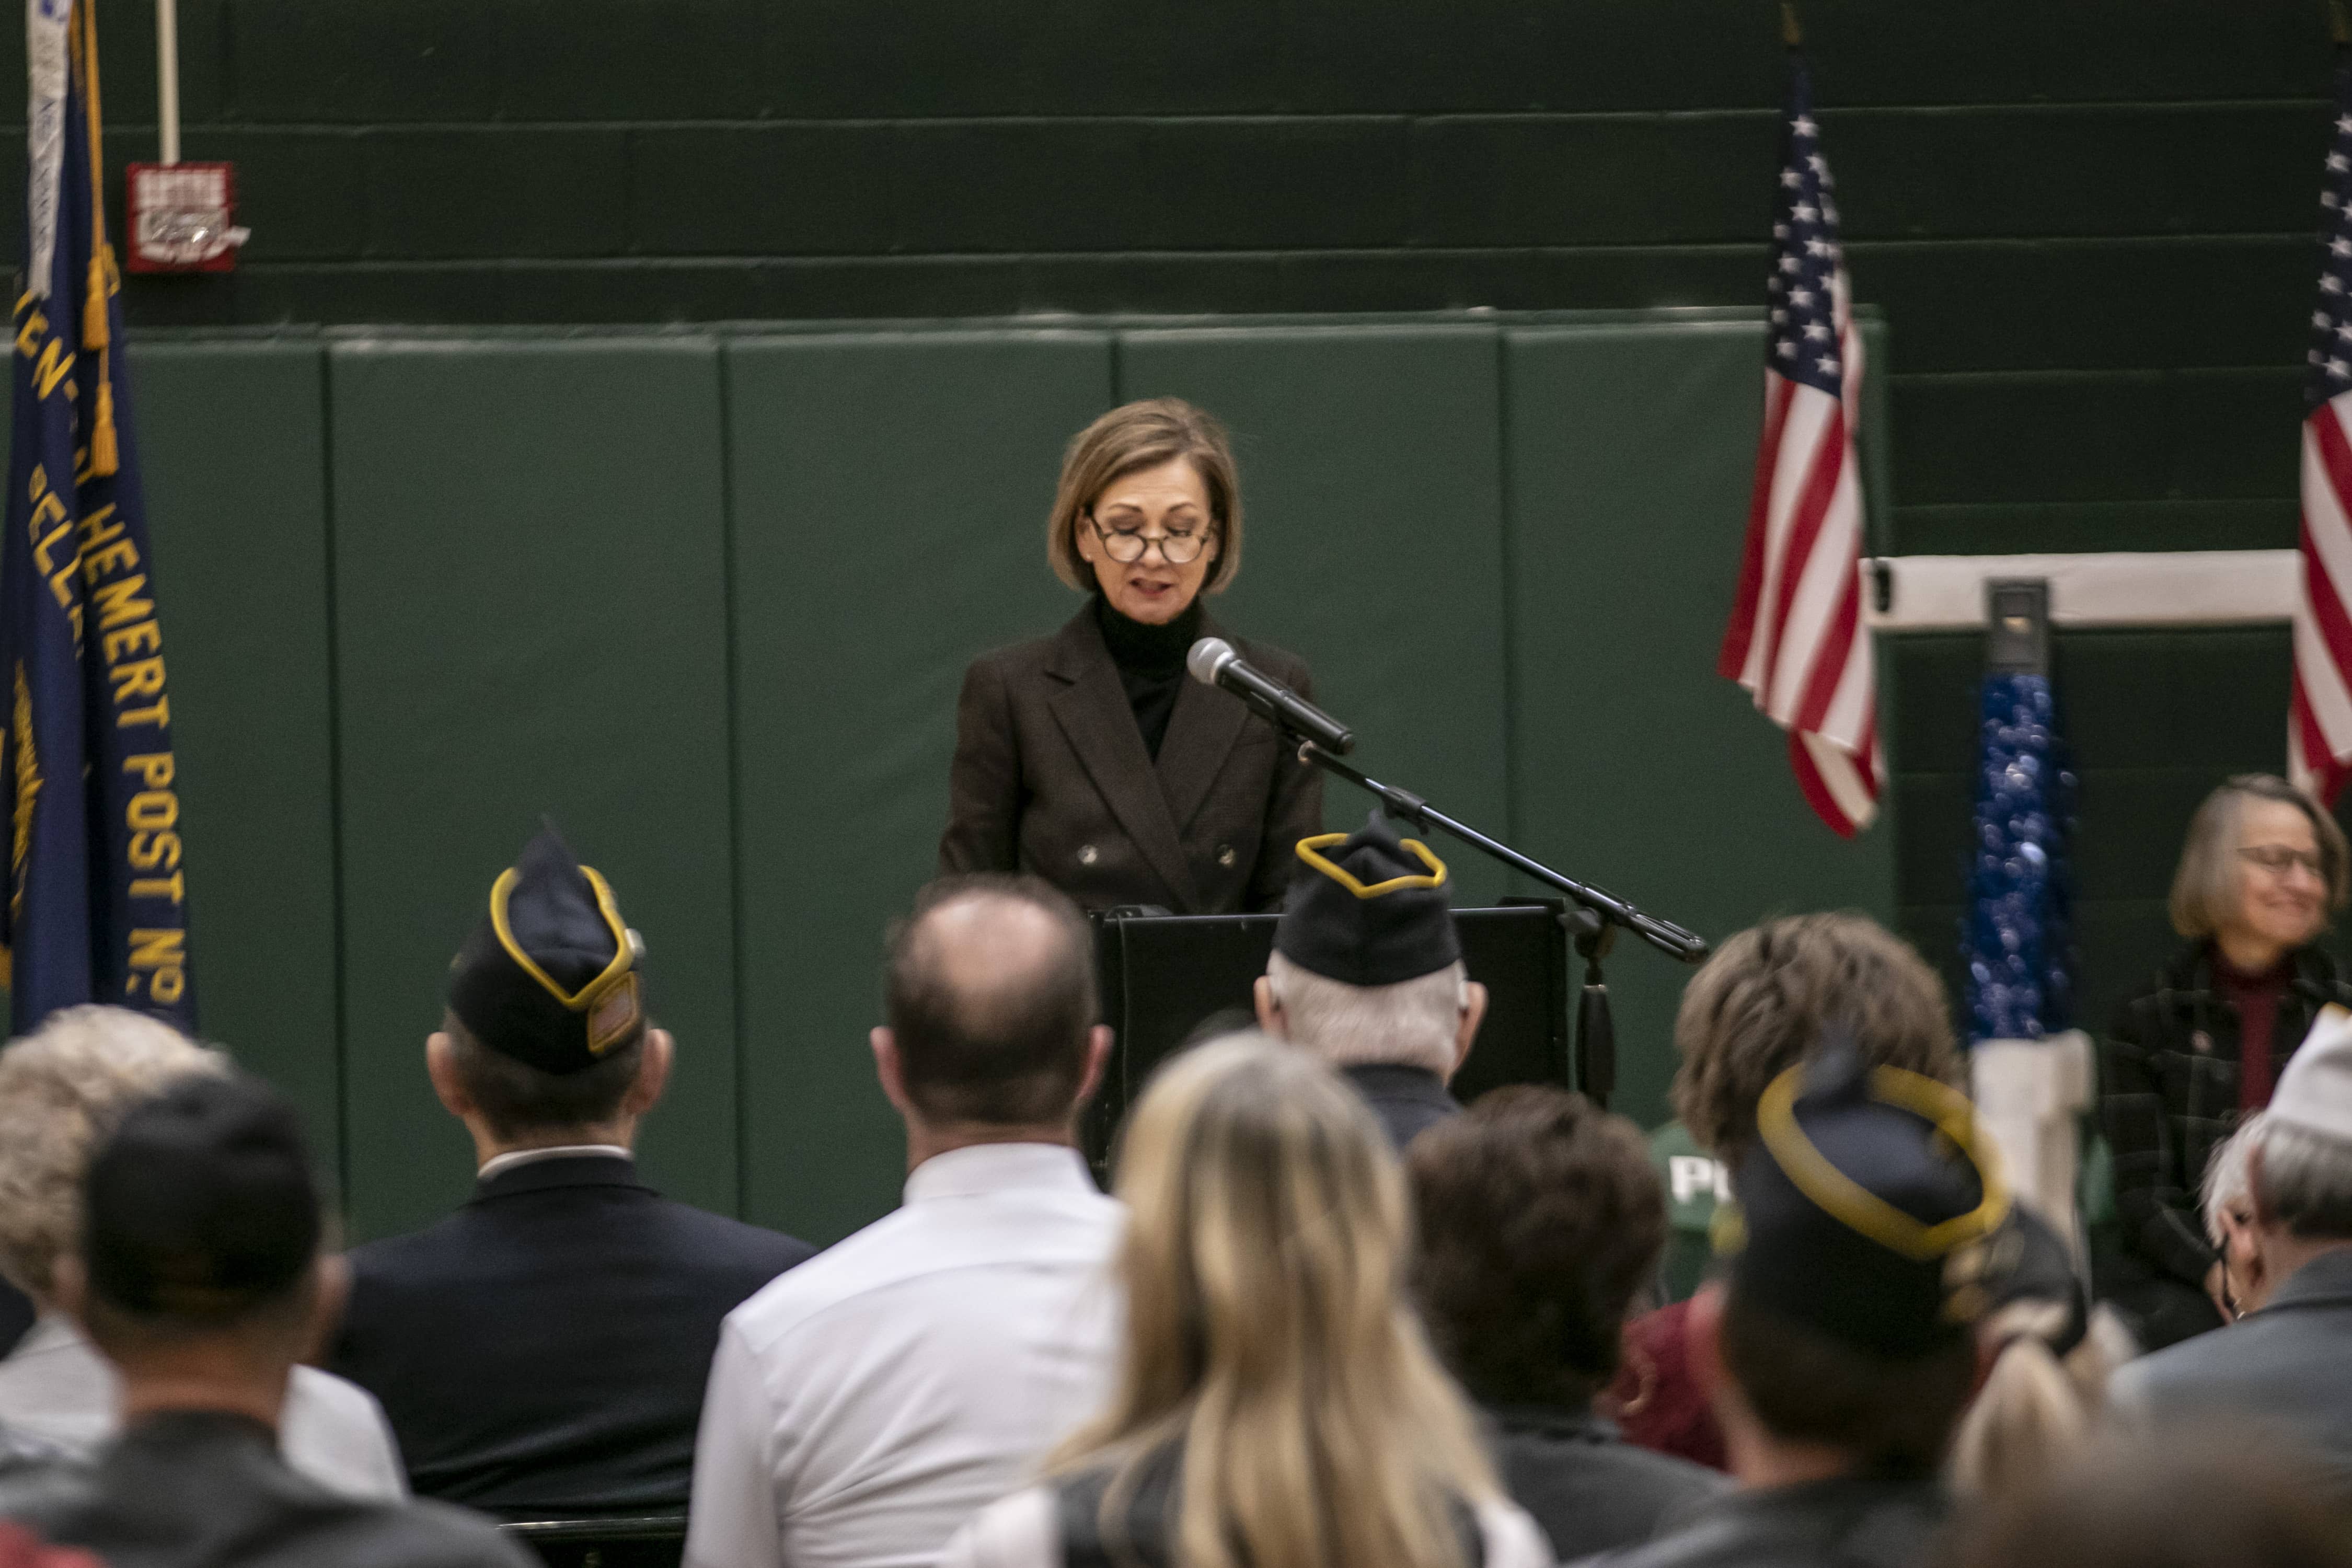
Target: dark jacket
[2169,1095]
[1405,1098]
[2289,1364]
[544,1348]
[1143,1539]
[15,1316]
[195,1489]
[1853,1522]
[1589,1488]
[1051,778]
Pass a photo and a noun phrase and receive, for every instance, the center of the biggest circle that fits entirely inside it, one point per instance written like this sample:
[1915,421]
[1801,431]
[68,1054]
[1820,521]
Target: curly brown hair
[1540,1216]
[1765,998]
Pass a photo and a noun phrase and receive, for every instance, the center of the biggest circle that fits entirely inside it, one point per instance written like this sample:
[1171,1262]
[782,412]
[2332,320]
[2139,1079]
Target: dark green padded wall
[233,447]
[531,615]
[888,498]
[709,601]
[1371,474]
[1632,763]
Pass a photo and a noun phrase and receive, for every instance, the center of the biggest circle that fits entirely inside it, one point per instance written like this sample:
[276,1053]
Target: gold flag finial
[1794,36]
[2337,24]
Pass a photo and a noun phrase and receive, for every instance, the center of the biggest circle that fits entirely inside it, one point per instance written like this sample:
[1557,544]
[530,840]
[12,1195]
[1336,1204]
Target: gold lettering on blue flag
[98,897]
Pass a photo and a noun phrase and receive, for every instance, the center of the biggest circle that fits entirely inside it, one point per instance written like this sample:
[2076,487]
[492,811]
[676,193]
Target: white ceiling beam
[2150,588]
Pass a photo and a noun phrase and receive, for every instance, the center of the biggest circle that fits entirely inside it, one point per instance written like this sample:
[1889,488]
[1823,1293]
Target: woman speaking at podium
[1091,758]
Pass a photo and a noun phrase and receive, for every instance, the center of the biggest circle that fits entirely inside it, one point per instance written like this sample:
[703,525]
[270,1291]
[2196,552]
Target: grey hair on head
[2225,1181]
[1414,1022]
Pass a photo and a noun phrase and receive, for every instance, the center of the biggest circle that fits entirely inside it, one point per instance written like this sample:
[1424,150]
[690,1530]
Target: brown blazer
[1051,778]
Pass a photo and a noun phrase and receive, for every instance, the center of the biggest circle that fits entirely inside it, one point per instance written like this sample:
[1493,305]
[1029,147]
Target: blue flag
[96,908]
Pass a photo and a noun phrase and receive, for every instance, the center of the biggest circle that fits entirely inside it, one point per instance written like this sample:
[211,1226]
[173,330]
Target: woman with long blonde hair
[1276,1406]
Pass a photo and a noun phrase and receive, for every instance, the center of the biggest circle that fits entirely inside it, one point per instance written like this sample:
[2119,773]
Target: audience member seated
[1751,1013]
[2202,1045]
[1539,1218]
[2290,1365]
[2227,1206]
[1276,1401]
[1839,1353]
[62,1088]
[2185,1500]
[1367,974]
[198,1274]
[868,1403]
[542,1350]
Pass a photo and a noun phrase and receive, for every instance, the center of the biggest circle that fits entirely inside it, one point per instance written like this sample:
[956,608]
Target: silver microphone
[1214,662]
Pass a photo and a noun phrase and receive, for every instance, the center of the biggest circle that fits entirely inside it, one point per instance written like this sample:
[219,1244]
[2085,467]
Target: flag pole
[167,78]
[104,451]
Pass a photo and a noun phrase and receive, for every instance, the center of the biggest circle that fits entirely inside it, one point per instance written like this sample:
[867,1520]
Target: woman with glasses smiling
[1088,758]
[2199,1047]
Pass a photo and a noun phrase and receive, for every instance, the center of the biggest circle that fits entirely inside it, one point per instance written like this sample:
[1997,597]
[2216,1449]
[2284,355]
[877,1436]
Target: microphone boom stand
[1594,920]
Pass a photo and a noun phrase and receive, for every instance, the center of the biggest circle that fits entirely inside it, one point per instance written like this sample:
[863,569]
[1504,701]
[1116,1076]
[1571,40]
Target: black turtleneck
[1151,662]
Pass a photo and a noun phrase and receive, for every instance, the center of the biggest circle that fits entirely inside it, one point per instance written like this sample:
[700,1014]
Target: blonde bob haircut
[62,1088]
[1268,1335]
[2205,889]
[1131,438]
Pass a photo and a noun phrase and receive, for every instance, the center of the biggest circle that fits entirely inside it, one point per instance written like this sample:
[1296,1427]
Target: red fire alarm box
[182,218]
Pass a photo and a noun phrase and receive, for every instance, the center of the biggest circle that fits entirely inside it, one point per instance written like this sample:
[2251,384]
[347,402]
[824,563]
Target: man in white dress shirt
[862,1406]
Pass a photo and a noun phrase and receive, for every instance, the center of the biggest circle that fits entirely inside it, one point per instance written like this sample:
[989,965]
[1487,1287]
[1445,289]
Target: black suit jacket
[1051,778]
[1406,1098]
[544,1348]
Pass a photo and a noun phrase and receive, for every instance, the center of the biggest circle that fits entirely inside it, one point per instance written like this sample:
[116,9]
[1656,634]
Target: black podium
[1163,976]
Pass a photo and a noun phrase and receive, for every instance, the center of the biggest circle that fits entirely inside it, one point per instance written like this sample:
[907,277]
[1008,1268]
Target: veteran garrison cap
[1369,908]
[1864,1206]
[551,977]
[201,1204]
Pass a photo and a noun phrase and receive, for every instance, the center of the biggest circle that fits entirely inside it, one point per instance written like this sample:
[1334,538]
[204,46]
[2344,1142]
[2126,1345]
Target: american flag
[2319,722]
[1796,637]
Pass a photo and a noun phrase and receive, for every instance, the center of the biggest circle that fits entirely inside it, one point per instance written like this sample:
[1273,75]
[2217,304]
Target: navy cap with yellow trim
[551,977]
[1864,1208]
[1369,908]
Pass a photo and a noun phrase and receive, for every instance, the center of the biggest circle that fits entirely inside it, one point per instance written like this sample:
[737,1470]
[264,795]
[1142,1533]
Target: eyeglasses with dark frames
[2276,859]
[1127,545]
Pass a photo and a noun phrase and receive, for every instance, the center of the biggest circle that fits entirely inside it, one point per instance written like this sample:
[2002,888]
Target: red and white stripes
[2319,726]
[1797,637]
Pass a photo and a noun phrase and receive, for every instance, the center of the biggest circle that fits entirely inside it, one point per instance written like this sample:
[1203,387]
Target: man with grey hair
[2229,1210]
[2289,1363]
[1367,974]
